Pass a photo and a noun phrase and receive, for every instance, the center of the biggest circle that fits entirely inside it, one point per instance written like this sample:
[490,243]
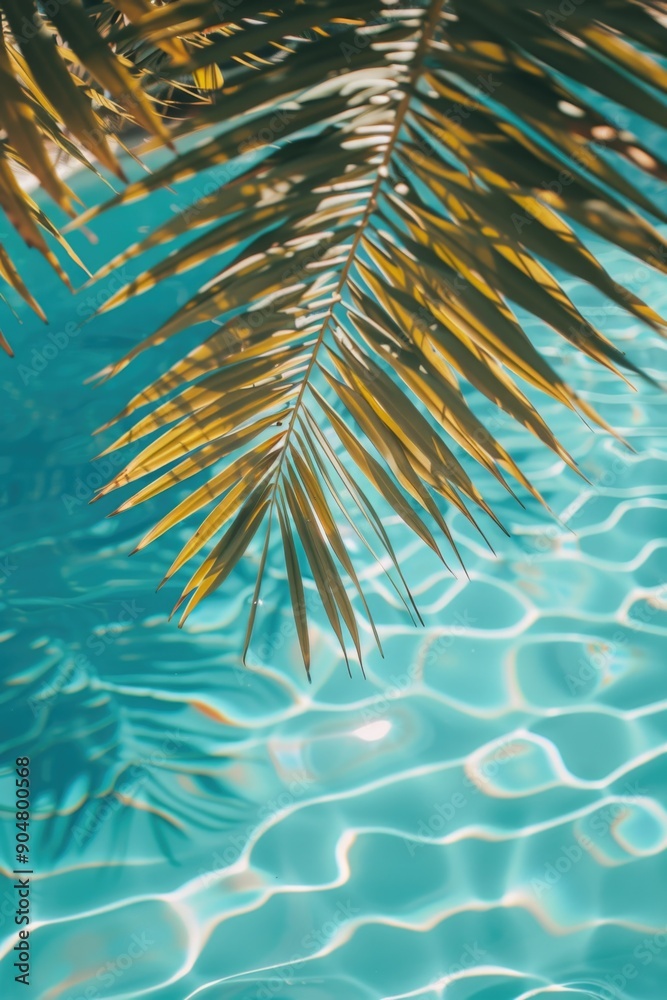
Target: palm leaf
[391,185]
[68,86]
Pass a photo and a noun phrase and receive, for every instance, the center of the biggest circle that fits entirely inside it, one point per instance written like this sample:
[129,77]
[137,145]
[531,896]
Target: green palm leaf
[390,185]
[69,84]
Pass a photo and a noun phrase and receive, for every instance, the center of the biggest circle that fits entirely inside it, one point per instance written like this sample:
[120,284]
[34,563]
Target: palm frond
[68,87]
[390,187]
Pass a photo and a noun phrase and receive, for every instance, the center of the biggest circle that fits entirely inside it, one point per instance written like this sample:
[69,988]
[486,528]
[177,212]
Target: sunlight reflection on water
[484,816]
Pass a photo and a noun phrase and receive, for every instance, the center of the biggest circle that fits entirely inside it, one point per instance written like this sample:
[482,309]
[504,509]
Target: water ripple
[483,818]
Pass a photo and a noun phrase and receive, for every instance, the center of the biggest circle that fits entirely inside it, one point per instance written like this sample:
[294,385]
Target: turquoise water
[482,817]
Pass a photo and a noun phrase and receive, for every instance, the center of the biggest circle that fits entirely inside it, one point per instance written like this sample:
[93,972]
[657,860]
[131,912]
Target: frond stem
[430,25]
[415,72]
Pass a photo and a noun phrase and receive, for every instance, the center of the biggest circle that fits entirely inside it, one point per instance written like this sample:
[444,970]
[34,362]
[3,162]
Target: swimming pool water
[482,817]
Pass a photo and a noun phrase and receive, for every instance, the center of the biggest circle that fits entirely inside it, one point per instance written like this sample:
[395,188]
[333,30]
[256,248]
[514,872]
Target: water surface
[482,817]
